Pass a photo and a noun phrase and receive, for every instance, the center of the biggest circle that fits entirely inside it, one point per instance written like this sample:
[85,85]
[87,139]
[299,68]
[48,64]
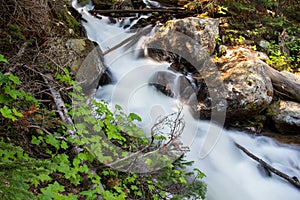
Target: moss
[73,24]
[83,2]
[16,31]
[70,21]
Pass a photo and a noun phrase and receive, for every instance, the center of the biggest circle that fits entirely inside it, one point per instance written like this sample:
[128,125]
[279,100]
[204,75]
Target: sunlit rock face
[188,44]
[286,116]
[189,40]
[249,89]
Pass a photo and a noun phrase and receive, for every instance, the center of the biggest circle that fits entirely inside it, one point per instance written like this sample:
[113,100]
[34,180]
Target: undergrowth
[70,162]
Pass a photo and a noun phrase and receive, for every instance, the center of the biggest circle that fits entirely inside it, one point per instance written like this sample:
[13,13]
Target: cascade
[230,174]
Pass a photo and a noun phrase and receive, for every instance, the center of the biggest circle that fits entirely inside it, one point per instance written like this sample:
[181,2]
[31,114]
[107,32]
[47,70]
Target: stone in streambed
[172,85]
[286,116]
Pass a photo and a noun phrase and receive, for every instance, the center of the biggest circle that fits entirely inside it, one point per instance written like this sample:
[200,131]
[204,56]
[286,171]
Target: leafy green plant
[11,98]
[18,171]
[2,58]
[277,60]
[76,165]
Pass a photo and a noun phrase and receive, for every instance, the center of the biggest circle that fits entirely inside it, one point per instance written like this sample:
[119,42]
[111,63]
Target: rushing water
[231,175]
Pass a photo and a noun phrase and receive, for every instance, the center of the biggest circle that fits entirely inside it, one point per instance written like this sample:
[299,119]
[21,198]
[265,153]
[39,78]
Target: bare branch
[293,180]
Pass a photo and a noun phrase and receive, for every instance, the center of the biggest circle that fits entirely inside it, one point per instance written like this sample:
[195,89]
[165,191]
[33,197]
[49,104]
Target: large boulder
[92,72]
[248,90]
[188,40]
[78,48]
[286,116]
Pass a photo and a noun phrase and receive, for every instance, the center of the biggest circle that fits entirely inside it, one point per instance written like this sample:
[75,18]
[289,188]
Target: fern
[17,171]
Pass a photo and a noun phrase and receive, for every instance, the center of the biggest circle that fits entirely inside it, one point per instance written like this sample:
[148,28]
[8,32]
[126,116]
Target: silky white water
[230,174]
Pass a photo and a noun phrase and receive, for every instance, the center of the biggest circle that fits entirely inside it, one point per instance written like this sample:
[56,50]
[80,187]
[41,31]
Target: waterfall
[230,174]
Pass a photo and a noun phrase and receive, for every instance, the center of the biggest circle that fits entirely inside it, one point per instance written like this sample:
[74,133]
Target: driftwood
[143,11]
[61,108]
[293,180]
[284,85]
[133,38]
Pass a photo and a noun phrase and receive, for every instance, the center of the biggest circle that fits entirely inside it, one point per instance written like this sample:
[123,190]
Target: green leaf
[52,191]
[17,113]
[139,193]
[133,116]
[134,187]
[90,194]
[182,180]
[76,162]
[2,59]
[35,140]
[53,141]
[151,187]
[118,107]
[4,99]
[64,145]
[7,113]
[97,128]
[14,79]
[199,173]
[44,177]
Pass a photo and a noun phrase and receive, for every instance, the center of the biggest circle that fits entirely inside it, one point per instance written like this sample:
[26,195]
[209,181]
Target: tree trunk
[283,84]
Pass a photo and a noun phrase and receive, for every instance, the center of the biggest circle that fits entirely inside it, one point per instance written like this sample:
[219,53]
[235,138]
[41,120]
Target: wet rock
[106,78]
[286,116]
[164,82]
[138,4]
[172,85]
[189,40]
[184,89]
[91,70]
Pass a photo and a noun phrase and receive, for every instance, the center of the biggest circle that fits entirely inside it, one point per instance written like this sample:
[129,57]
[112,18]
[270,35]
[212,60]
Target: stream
[230,174]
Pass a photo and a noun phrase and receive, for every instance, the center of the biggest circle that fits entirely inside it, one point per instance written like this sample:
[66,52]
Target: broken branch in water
[293,180]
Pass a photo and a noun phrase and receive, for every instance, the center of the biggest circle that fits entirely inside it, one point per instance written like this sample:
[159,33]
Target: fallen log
[132,39]
[143,11]
[60,105]
[293,180]
[283,84]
